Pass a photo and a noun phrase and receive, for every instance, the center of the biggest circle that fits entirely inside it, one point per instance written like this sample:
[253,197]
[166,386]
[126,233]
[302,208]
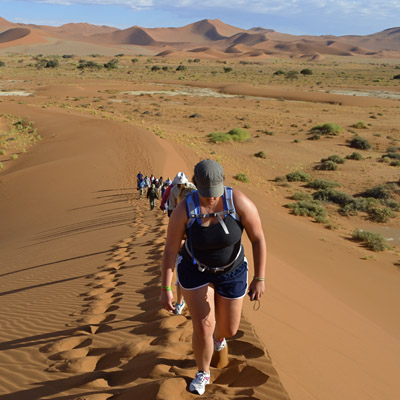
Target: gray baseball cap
[209,177]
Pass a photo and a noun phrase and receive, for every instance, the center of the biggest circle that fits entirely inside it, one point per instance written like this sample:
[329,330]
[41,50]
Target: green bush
[360,125]
[335,158]
[373,241]
[358,204]
[381,214]
[88,64]
[112,64]
[260,154]
[396,77]
[379,192]
[302,196]
[322,184]
[279,72]
[242,177]
[354,156]
[155,68]
[392,155]
[298,176]
[327,165]
[227,69]
[235,134]
[306,71]
[181,68]
[326,129]
[333,196]
[309,209]
[51,63]
[360,143]
[2,64]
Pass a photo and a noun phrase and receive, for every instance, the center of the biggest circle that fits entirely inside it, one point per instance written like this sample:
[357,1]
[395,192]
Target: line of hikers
[169,192]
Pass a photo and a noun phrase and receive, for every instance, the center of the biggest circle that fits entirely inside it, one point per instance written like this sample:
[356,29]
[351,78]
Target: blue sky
[312,17]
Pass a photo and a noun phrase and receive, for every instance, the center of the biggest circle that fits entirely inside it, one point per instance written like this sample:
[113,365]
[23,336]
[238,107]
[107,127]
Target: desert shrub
[309,209]
[298,176]
[358,204]
[2,64]
[306,71]
[333,196]
[373,241]
[392,155]
[360,125]
[392,204]
[260,154]
[196,60]
[335,158]
[279,72]
[360,143]
[381,214]
[326,129]
[181,68]
[119,55]
[88,64]
[242,177]
[155,68]
[112,64]
[322,184]
[396,77]
[235,134]
[302,196]
[227,69]
[134,60]
[379,192]
[53,63]
[327,165]
[67,56]
[266,131]
[354,156]
[395,163]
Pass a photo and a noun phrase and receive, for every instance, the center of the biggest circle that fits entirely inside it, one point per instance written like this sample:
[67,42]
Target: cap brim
[214,191]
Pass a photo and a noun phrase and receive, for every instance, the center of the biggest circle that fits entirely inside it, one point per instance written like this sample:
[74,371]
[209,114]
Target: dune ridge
[214,34]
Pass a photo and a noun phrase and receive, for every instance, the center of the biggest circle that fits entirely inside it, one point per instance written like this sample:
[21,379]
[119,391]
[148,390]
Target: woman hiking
[212,269]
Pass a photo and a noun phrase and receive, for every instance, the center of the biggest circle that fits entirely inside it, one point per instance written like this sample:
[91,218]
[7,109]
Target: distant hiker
[139,177]
[141,187]
[147,183]
[179,181]
[152,195]
[212,268]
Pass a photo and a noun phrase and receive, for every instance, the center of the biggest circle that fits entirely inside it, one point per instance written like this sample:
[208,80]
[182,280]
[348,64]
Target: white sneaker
[179,307]
[198,384]
[219,344]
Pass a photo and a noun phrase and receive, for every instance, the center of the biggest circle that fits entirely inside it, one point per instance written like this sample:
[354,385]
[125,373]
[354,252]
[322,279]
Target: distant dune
[216,38]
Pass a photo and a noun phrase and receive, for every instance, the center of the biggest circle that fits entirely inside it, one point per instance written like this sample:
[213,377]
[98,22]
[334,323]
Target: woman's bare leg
[202,311]
[227,315]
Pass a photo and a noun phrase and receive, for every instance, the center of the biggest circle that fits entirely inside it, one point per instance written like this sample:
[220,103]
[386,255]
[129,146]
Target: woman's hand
[256,289]
[166,299]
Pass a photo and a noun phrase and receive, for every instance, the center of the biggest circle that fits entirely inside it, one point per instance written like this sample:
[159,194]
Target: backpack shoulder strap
[229,205]
[193,208]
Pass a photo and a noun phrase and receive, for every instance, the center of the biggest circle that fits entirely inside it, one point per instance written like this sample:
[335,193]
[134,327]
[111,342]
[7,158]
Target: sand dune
[206,33]
[89,268]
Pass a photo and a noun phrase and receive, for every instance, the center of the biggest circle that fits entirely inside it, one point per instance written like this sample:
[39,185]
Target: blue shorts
[232,285]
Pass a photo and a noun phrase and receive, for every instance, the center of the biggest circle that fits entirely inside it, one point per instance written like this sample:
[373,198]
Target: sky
[298,17]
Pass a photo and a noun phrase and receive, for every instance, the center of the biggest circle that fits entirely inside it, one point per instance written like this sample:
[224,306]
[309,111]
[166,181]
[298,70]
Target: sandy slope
[80,275]
[80,257]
